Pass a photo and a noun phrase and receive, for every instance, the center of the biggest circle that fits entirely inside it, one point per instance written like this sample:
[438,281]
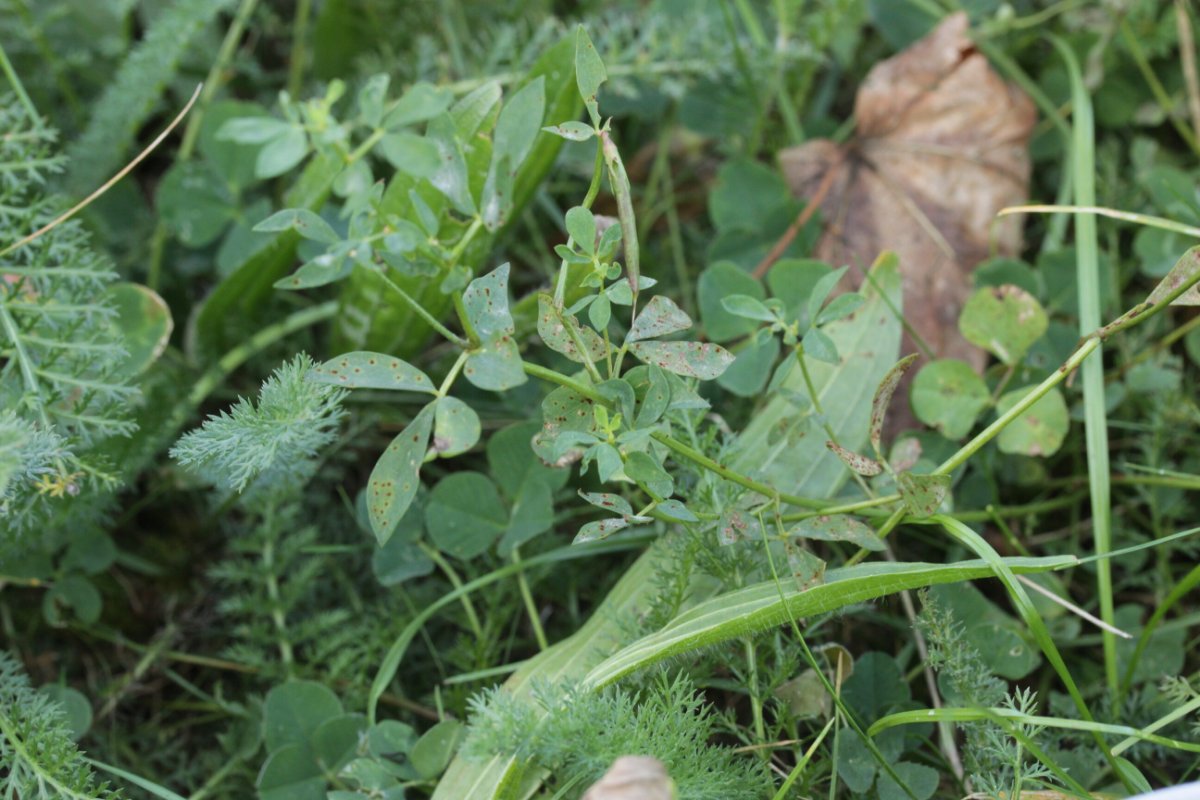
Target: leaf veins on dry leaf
[941,146]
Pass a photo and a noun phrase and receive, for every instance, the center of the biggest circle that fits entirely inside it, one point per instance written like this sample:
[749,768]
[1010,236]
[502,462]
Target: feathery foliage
[582,732]
[269,448]
[61,356]
[40,762]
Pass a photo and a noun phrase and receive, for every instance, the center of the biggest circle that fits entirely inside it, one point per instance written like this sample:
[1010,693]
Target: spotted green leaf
[575,131]
[600,529]
[883,398]
[325,269]
[552,322]
[563,411]
[861,464]
[395,480]
[451,178]
[1005,320]
[656,399]
[496,364]
[676,511]
[949,395]
[660,317]
[923,494]
[837,528]
[613,503]
[302,221]
[589,73]
[581,226]
[455,427]
[366,370]
[1184,270]
[705,361]
[1040,430]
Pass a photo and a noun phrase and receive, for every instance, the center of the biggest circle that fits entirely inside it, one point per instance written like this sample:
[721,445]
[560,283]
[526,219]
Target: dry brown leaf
[941,146]
[633,778]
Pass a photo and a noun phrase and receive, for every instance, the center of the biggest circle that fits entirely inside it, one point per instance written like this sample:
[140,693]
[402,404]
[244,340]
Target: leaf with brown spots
[395,479]
[883,398]
[1005,320]
[366,370]
[705,361]
[838,528]
[552,327]
[612,503]
[923,494]
[1184,270]
[563,410]
[941,146]
[496,364]
[736,525]
[660,317]
[863,465]
[602,529]
[456,427]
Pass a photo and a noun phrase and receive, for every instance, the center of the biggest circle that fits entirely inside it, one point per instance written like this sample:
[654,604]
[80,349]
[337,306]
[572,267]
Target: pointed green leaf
[1040,430]
[842,306]
[600,529]
[883,398]
[451,178]
[1184,270]
[589,72]
[949,395]
[455,427]
[645,470]
[323,270]
[303,222]
[923,494]
[838,528]
[747,307]
[519,122]
[421,102]
[415,155]
[612,503]
[818,345]
[821,293]
[1005,320]
[657,398]
[660,317]
[471,112]
[395,479]
[575,131]
[366,370]
[705,361]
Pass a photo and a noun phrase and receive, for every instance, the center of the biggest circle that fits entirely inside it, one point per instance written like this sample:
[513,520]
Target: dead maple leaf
[941,146]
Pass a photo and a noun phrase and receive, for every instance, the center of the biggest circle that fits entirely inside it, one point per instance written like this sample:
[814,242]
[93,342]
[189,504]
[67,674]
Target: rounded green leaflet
[496,364]
[456,427]
[395,479]
[366,370]
[465,514]
[195,203]
[1005,320]
[1040,430]
[923,494]
[294,710]
[144,322]
[949,395]
[433,750]
[76,709]
[718,283]
[705,361]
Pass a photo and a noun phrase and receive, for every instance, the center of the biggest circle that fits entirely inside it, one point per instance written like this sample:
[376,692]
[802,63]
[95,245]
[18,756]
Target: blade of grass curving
[761,606]
[1019,718]
[1095,415]
[1032,617]
[1177,593]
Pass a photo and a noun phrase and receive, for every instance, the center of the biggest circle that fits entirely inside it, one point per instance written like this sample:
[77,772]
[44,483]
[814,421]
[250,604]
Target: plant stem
[560,287]
[299,51]
[469,607]
[535,621]
[420,311]
[453,374]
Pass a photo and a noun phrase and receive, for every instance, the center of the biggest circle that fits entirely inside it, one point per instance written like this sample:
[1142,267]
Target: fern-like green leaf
[38,760]
[271,447]
[61,357]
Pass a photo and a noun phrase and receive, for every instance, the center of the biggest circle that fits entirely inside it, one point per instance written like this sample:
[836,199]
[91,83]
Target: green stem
[420,311]
[535,621]
[299,52]
[469,607]
[560,287]
[268,558]
[756,709]
[444,389]
[213,82]
[15,84]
